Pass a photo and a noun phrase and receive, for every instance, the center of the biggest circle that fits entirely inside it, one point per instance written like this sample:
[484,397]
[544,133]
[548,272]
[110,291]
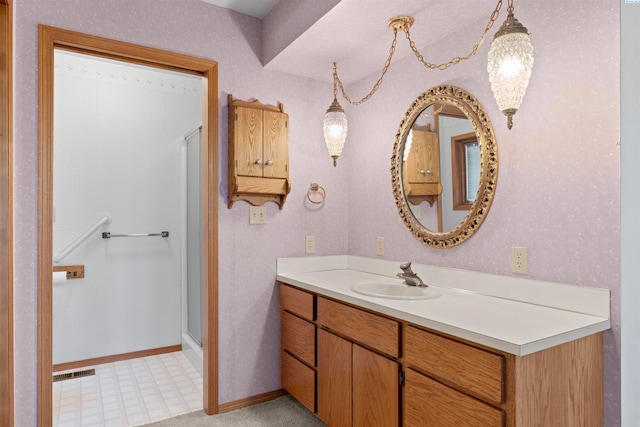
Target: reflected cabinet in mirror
[444,167]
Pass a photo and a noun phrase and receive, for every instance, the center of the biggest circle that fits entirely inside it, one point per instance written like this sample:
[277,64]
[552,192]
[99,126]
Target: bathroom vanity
[487,351]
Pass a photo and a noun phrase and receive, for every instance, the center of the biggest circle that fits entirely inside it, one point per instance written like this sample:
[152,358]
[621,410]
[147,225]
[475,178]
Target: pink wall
[249,322]
[559,178]
[558,186]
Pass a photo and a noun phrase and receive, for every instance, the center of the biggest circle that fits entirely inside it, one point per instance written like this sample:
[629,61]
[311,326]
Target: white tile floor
[129,393]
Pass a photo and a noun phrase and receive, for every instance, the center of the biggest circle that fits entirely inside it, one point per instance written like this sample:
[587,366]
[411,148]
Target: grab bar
[104,220]
[107,235]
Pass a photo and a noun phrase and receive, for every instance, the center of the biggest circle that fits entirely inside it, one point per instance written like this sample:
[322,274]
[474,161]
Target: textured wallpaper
[249,319]
[558,184]
[559,174]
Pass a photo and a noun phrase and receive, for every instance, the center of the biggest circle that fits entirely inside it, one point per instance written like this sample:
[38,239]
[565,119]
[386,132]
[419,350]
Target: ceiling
[354,33]
[257,8]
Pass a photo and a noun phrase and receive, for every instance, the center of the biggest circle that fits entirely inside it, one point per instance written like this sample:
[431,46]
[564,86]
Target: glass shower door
[194,242]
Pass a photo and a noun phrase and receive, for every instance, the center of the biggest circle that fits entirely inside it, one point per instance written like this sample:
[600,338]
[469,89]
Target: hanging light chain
[378,83]
[335,80]
[457,59]
[444,66]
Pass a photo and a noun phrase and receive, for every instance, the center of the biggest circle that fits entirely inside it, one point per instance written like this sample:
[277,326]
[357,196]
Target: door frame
[6,214]
[50,38]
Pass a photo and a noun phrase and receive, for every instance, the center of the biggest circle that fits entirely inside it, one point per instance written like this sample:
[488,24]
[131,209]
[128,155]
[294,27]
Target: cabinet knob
[429,171]
[422,171]
[259,162]
[269,162]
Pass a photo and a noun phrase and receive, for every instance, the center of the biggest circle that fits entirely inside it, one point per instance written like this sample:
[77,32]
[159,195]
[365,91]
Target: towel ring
[316,194]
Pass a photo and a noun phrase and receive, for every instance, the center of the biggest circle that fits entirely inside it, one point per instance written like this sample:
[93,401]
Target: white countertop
[519,321]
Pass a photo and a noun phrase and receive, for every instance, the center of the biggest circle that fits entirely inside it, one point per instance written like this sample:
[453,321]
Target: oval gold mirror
[444,167]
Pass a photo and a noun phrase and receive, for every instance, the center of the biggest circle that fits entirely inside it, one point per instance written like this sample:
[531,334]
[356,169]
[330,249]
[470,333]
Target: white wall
[630,206]
[450,127]
[118,132]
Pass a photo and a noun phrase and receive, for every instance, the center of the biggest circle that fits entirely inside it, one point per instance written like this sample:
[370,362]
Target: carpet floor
[283,411]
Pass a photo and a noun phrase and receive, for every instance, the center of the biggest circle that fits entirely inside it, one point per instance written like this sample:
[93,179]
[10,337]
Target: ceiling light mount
[400,23]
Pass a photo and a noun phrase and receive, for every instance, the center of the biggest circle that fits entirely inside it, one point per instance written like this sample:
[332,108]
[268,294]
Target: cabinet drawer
[375,331]
[298,337]
[430,403]
[299,380]
[474,369]
[297,301]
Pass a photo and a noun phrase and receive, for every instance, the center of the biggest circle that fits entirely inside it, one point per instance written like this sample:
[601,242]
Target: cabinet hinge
[236,116]
[401,378]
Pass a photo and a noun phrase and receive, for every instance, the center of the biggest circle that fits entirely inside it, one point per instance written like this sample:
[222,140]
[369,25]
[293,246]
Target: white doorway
[51,39]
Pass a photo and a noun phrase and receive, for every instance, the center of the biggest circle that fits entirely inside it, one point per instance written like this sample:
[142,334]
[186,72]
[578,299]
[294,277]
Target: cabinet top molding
[255,104]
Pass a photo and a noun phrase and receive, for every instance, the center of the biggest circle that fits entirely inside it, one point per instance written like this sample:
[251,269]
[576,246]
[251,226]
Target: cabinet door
[334,380]
[376,391]
[276,136]
[248,142]
[428,403]
[423,162]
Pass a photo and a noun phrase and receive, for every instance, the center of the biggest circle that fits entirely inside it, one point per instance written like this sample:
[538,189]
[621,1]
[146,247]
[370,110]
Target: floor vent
[75,374]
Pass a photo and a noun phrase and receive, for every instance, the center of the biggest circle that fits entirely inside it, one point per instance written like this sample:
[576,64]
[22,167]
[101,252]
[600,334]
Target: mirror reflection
[441,166]
[446,159]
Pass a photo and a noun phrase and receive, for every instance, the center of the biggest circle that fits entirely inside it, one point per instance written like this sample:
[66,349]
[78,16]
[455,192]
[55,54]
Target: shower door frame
[49,39]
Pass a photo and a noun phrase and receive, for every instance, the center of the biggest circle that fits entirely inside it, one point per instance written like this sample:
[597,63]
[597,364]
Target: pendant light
[335,124]
[509,65]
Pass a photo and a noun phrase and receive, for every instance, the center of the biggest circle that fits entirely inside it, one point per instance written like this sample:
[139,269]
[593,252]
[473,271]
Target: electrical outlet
[257,214]
[519,259]
[380,246]
[309,245]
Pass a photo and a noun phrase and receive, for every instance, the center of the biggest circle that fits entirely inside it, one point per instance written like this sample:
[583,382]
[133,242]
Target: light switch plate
[257,215]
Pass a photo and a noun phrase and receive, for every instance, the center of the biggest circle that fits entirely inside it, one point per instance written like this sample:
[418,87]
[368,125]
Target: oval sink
[394,291]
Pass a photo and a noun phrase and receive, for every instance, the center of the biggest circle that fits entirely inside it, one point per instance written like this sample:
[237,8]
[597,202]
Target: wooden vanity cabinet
[475,381]
[454,383]
[448,382]
[298,345]
[358,380]
[258,153]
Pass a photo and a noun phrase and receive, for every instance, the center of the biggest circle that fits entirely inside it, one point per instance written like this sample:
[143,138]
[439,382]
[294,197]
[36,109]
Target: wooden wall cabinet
[422,168]
[258,153]
[446,381]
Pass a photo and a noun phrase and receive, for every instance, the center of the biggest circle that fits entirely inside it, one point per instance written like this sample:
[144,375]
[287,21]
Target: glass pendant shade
[509,66]
[335,130]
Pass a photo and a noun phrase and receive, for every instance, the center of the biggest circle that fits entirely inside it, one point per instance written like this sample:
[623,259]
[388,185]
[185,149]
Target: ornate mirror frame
[488,166]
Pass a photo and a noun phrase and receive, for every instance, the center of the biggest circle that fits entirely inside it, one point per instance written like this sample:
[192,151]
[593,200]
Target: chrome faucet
[410,278]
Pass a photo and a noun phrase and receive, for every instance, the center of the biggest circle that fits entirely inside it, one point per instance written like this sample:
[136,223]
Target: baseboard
[248,401]
[115,358]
